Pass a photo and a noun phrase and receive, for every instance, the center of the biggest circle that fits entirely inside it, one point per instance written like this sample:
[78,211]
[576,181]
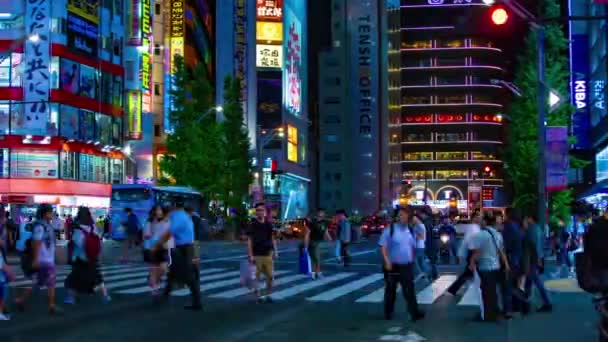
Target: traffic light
[499,15]
[486,171]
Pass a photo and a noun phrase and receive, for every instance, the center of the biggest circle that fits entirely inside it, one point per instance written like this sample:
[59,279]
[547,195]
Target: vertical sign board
[36,79]
[269,10]
[579,79]
[556,154]
[363,23]
[176,42]
[134,108]
[292,71]
[135,20]
[240,49]
[146,56]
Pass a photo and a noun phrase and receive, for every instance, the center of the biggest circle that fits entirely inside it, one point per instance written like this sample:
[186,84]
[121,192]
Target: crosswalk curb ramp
[225,283]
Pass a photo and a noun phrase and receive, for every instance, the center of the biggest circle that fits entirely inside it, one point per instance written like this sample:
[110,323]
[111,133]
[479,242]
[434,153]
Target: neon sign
[269,10]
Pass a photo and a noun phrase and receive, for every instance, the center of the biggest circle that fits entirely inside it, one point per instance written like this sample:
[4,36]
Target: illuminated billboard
[145,75]
[88,9]
[134,114]
[269,10]
[240,46]
[294,43]
[269,56]
[268,32]
[292,144]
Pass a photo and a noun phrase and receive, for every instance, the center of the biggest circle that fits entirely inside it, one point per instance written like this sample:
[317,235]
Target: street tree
[521,154]
[237,172]
[195,155]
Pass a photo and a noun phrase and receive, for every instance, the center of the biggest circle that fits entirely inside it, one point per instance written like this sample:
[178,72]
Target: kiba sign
[269,10]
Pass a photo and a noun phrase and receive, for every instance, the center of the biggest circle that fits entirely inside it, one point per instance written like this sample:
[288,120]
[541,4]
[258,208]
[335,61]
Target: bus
[141,198]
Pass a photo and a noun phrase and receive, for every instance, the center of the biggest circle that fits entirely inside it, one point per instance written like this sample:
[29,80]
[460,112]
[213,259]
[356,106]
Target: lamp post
[216,109]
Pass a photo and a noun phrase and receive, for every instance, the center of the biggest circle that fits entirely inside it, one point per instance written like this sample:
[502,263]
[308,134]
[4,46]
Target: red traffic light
[486,169]
[500,16]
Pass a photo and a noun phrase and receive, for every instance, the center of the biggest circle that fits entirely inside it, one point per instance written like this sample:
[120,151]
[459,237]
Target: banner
[88,9]
[269,56]
[556,156]
[579,92]
[292,73]
[36,76]
[82,35]
[134,107]
[145,75]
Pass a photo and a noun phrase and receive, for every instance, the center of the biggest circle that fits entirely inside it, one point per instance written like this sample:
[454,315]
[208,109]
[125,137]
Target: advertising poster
[88,82]
[69,122]
[88,9]
[269,56]
[34,164]
[82,35]
[87,125]
[556,154]
[292,144]
[601,165]
[69,75]
[4,118]
[146,56]
[36,83]
[294,49]
[134,106]
[269,10]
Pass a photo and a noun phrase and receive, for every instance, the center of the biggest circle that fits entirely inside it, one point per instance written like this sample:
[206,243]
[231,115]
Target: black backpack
[27,256]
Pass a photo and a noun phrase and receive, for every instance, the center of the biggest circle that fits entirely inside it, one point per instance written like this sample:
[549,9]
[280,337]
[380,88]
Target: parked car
[373,225]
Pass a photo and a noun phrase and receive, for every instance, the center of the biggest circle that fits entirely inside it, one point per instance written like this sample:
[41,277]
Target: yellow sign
[88,9]
[292,144]
[269,32]
[269,56]
[134,106]
[177,48]
[177,18]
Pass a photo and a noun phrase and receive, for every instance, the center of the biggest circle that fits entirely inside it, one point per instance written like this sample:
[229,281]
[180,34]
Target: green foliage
[561,203]
[194,155]
[237,174]
[521,155]
[210,156]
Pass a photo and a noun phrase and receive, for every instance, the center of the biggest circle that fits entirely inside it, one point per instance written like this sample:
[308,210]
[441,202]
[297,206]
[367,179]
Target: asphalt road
[344,306]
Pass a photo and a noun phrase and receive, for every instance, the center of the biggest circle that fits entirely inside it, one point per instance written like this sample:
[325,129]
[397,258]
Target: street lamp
[216,109]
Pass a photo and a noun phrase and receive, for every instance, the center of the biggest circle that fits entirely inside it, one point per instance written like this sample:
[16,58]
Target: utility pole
[542,126]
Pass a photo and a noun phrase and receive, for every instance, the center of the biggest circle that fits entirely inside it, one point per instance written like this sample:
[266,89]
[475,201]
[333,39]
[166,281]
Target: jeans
[533,278]
[344,252]
[404,275]
[338,249]
[183,271]
[420,261]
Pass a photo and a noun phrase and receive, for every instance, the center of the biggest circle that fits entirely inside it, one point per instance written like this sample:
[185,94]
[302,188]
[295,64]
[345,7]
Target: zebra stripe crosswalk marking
[346,289]
[243,291]
[144,289]
[292,291]
[470,297]
[217,284]
[435,289]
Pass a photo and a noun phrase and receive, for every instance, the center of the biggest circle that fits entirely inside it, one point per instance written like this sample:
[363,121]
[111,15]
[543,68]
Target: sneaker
[69,300]
[4,317]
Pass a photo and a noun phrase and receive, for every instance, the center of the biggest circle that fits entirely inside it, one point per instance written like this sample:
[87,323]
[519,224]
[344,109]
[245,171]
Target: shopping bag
[477,287]
[247,274]
[304,262]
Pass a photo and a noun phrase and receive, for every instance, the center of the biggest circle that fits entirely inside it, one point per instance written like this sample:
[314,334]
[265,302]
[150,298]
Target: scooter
[444,248]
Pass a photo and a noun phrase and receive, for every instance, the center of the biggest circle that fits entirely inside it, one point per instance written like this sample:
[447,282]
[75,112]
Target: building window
[421,44]
[157,49]
[452,174]
[332,138]
[3,162]
[331,119]
[417,100]
[451,137]
[130,70]
[476,155]
[157,131]
[450,80]
[418,156]
[117,170]
[418,137]
[451,156]
[33,163]
[338,176]
[338,195]
[333,81]
[426,174]
[93,168]
[451,99]
[157,9]
[157,91]
[331,100]
[68,164]
[450,43]
[327,195]
[69,122]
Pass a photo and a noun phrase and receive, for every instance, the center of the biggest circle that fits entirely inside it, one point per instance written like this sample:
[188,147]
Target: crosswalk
[225,283]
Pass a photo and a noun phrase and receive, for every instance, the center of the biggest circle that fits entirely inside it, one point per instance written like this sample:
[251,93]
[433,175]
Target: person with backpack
[38,258]
[315,234]
[397,246]
[85,247]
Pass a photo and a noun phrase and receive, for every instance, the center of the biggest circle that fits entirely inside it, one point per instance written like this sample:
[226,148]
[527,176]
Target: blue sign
[579,91]
[82,35]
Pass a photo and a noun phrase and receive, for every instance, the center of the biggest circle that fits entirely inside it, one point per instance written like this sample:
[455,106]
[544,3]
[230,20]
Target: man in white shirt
[471,230]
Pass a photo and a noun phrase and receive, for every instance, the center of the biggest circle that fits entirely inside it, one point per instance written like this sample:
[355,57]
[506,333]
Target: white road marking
[435,290]
[311,285]
[346,289]
[243,291]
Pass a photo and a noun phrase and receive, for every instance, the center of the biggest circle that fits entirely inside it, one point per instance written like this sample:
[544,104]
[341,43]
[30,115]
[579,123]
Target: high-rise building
[62,103]
[352,110]
[445,99]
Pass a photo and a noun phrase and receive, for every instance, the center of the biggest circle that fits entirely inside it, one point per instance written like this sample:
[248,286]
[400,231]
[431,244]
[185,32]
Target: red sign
[487,194]
[270,10]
